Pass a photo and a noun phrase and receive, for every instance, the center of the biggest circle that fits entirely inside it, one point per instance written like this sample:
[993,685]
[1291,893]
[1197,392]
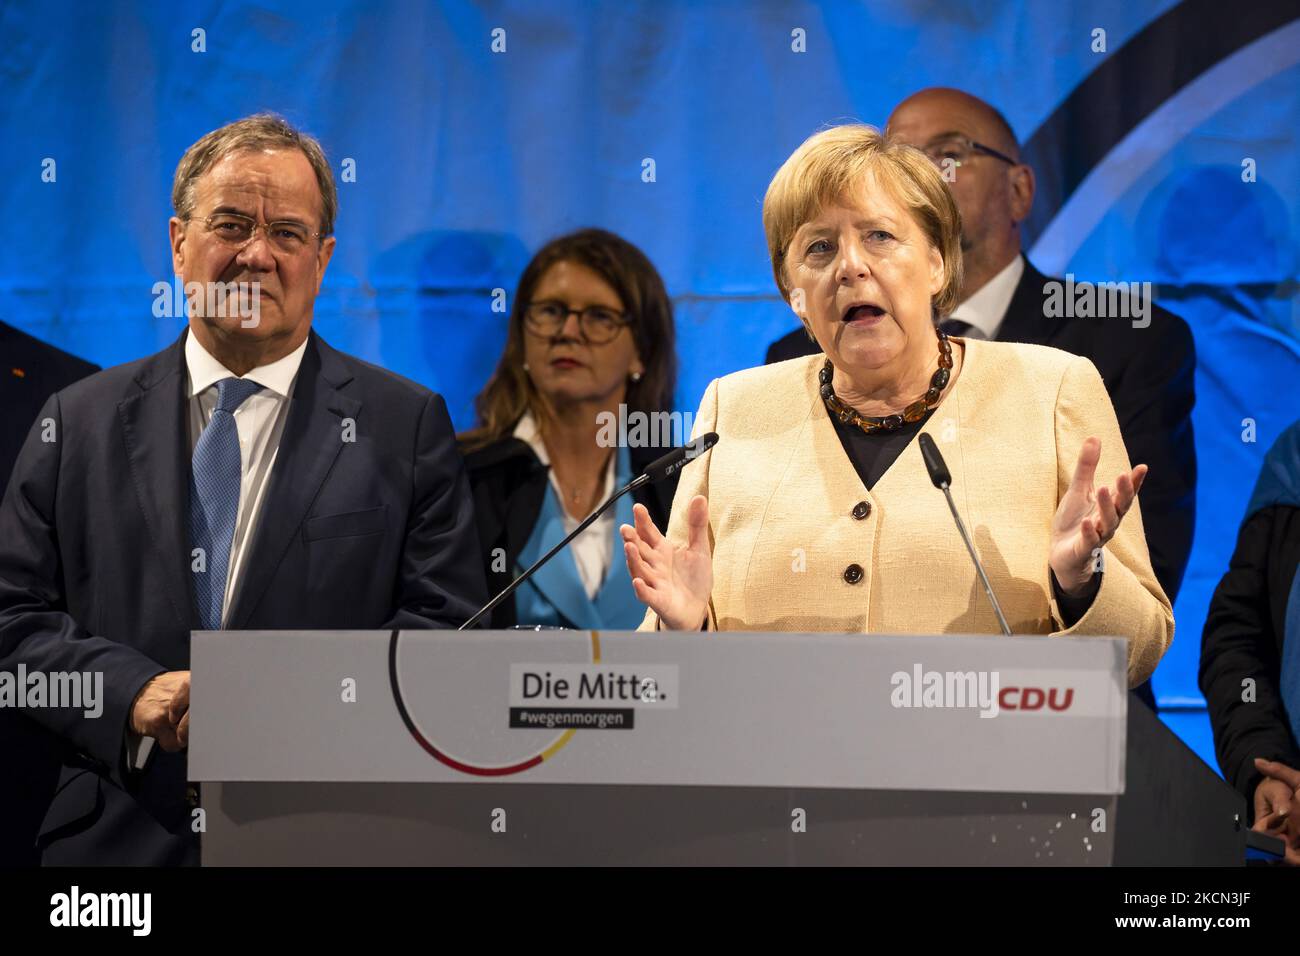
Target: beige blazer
[782,494]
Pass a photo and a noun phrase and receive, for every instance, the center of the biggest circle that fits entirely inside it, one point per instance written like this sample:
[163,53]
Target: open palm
[674,581]
[1088,517]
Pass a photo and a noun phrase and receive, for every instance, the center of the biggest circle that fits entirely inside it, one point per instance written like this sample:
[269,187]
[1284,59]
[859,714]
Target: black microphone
[668,465]
[942,480]
[657,471]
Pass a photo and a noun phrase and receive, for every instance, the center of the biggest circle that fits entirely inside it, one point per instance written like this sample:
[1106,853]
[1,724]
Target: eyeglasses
[958,150]
[599,324]
[235,230]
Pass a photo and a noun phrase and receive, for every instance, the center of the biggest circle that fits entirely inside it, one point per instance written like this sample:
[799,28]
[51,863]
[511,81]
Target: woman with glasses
[590,330]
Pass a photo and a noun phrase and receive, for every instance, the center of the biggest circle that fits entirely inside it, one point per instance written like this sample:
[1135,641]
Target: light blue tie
[215,474]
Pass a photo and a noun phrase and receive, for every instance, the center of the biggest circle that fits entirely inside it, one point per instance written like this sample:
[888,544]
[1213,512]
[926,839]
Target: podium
[622,748]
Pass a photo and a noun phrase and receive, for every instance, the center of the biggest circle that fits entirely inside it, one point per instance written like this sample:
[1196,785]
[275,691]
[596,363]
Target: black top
[508,483]
[872,454]
[1149,373]
[1244,632]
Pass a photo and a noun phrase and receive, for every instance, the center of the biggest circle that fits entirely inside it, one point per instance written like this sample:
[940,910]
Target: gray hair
[260,131]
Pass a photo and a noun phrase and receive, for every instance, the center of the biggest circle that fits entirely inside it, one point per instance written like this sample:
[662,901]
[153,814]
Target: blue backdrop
[467,159]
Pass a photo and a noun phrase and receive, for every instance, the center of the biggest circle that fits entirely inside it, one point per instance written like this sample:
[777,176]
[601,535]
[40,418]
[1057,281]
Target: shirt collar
[987,307]
[205,371]
[530,433]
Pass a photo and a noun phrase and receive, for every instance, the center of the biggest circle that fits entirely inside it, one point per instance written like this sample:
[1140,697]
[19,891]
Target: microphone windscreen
[934,462]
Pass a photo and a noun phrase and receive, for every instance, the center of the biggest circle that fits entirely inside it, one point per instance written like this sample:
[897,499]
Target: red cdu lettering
[1067,697]
[1031,698]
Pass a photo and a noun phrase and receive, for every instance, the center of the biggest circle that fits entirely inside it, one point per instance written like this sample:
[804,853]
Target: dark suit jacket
[1243,637]
[1149,374]
[30,372]
[377,532]
[509,482]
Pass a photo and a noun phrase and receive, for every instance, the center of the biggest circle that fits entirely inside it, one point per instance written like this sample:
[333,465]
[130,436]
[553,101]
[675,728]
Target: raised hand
[673,581]
[1087,518]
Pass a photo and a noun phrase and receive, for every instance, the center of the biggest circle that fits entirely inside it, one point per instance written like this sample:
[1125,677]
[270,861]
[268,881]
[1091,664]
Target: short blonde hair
[829,166]
[256,132]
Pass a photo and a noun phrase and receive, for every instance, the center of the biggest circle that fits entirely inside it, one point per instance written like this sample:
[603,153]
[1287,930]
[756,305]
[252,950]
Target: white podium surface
[991,714]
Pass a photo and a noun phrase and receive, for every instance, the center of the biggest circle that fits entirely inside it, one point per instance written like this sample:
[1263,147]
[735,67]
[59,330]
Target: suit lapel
[157,444]
[800,493]
[1024,321]
[309,445]
[558,580]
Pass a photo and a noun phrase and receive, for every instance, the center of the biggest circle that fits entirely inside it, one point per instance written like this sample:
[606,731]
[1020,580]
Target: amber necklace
[889,423]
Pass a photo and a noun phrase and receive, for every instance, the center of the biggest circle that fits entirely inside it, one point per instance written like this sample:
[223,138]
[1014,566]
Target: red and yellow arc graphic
[478,770]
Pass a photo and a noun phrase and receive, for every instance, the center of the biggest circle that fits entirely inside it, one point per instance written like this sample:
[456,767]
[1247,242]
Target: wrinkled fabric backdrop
[466,160]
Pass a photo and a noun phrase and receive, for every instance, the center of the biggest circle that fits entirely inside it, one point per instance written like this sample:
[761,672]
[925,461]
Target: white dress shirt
[259,420]
[593,549]
[985,310]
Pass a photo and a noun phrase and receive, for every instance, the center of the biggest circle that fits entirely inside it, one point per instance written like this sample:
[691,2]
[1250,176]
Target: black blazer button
[192,796]
[861,509]
[853,573]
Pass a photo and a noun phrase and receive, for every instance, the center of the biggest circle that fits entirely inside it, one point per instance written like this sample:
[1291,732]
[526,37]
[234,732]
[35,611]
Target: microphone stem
[586,523]
[988,588]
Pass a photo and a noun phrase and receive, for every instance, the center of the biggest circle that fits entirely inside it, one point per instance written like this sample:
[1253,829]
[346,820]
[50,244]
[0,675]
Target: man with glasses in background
[1148,369]
[248,477]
